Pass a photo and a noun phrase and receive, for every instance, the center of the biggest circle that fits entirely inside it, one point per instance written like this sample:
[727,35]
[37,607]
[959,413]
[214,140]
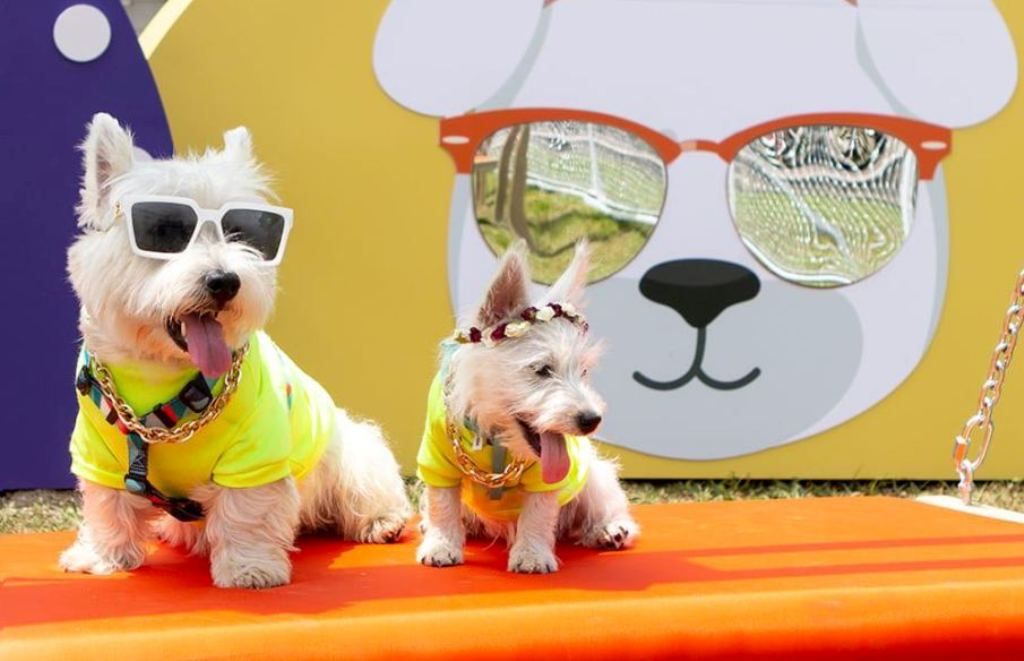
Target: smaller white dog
[175,270]
[505,452]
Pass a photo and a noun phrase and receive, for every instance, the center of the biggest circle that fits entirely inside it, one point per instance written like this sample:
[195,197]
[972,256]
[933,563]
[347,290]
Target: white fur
[443,531]
[497,386]
[355,491]
[250,532]
[113,534]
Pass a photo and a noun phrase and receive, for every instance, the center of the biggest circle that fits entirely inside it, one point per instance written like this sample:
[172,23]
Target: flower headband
[518,327]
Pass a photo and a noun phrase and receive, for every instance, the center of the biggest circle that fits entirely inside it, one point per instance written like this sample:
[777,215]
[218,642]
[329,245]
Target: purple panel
[45,102]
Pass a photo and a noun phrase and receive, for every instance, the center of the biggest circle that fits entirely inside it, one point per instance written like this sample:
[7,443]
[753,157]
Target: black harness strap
[196,396]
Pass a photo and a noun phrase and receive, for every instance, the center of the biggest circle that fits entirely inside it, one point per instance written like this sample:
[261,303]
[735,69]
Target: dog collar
[195,397]
[520,325]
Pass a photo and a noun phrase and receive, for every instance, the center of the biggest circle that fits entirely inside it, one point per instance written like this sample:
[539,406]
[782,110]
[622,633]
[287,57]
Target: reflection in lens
[552,183]
[163,227]
[263,230]
[824,205]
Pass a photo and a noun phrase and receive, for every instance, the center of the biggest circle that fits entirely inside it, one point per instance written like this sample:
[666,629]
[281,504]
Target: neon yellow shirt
[257,439]
[437,466]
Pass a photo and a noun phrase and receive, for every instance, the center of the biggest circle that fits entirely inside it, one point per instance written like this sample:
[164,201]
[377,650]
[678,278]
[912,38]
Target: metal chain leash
[981,422]
[186,430]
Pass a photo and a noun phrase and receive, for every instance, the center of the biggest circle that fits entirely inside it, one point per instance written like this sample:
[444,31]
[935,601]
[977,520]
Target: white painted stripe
[954,503]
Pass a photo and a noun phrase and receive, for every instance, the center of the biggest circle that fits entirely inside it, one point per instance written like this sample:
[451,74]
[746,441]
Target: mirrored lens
[163,227]
[824,206]
[262,230]
[552,183]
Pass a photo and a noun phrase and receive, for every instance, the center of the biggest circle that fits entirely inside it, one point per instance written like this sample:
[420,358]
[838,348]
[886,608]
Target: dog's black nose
[587,421]
[222,286]
[699,289]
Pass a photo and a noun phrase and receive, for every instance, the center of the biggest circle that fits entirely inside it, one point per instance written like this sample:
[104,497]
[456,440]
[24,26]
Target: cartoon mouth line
[697,372]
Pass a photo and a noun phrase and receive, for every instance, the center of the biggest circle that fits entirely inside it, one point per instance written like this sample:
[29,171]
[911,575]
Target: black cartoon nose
[699,289]
[222,286]
[587,421]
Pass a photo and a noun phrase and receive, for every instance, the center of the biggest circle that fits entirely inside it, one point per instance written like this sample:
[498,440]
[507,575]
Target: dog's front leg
[250,532]
[533,551]
[604,510]
[113,534]
[444,534]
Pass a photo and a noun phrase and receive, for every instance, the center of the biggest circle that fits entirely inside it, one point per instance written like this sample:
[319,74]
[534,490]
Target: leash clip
[83,382]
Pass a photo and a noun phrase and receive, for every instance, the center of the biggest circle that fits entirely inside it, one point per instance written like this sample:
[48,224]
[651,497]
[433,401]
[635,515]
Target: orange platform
[847,577]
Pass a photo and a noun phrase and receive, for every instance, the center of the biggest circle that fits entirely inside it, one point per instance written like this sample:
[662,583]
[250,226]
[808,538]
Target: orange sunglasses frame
[462,135]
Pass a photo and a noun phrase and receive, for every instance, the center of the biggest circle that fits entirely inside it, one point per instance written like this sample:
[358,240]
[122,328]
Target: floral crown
[520,325]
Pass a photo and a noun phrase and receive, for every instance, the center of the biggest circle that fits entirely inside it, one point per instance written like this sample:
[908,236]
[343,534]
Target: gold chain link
[508,477]
[981,421]
[186,430]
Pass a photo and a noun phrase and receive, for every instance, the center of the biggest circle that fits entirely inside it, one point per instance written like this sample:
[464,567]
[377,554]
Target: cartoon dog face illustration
[761,183]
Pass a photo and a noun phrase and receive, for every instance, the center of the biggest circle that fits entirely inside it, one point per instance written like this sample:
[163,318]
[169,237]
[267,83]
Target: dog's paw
[435,551]
[532,560]
[252,575]
[180,534]
[615,534]
[82,558]
[383,530]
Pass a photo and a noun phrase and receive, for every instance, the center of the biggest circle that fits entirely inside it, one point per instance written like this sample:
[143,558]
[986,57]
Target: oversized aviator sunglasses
[161,227]
[820,199]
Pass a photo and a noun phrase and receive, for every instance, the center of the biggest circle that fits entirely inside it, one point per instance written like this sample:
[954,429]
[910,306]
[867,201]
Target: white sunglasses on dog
[162,227]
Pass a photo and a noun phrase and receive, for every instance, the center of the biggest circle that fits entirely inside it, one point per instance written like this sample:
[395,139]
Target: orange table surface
[847,577]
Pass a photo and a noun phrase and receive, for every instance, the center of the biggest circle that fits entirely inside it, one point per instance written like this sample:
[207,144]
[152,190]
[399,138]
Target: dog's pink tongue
[206,346]
[554,458]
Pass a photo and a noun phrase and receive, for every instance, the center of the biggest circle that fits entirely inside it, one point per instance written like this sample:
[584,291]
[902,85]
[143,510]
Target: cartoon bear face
[764,177]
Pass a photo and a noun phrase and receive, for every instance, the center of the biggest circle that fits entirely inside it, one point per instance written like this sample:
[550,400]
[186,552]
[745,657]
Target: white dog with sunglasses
[505,453]
[761,182]
[186,406]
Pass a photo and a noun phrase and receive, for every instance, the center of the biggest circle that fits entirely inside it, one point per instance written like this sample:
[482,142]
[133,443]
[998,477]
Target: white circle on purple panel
[81,33]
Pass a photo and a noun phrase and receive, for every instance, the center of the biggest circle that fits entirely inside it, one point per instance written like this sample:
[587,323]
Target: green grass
[555,223]
[1005,494]
[38,511]
[870,233]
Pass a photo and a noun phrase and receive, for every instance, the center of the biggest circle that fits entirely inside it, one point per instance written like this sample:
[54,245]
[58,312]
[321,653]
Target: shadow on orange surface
[330,575]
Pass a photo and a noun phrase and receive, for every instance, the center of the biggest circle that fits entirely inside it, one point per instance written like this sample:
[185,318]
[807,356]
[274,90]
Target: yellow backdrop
[364,291]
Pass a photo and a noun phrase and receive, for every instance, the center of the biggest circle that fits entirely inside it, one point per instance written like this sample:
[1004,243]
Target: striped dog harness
[195,397]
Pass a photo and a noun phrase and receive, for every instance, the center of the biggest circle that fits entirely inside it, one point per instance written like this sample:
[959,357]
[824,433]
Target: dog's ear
[569,287]
[507,293]
[950,62]
[108,153]
[444,57]
[238,144]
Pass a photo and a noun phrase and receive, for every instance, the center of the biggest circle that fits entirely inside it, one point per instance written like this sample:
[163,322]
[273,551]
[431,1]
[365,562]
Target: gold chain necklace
[513,471]
[186,430]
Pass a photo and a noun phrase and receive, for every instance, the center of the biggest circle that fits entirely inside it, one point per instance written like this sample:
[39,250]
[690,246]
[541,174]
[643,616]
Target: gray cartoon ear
[951,62]
[108,152]
[444,57]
